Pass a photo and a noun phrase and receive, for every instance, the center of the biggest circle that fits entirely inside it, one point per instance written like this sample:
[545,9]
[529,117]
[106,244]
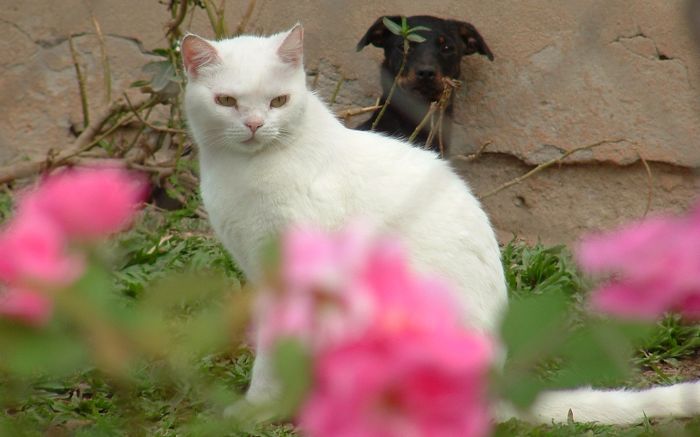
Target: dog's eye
[278,101]
[226,101]
[447,48]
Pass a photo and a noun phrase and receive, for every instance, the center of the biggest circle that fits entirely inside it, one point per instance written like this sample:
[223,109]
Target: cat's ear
[197,53]
[291,51]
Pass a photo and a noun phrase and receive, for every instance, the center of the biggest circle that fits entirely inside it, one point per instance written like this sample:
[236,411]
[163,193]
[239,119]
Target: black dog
[421,82]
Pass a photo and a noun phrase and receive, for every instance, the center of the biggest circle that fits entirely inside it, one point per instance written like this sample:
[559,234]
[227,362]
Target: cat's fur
[305,167]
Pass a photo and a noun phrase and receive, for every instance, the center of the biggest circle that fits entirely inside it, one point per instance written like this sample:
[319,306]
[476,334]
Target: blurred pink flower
[88,203]
[655,267]
[336,286]
[33,251]
[403,384]
[75,204]
[27,306]
[391,357]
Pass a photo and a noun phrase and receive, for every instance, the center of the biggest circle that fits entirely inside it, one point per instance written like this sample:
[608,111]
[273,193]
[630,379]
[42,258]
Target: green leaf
[162,52]
[415,38]
[404,25]
[532,324]
[417,28]
[293,366]
[163,73]
[599,353]
[393,27]
[139,83]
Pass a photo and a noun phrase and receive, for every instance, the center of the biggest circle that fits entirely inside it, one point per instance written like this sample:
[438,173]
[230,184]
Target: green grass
[164,243]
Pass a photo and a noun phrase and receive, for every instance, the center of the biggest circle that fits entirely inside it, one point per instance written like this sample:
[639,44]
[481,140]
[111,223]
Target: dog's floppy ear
[377,33]
[473,41]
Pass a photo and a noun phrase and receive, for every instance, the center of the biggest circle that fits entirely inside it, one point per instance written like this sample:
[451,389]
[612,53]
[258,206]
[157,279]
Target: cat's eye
[224,100]
[278,101]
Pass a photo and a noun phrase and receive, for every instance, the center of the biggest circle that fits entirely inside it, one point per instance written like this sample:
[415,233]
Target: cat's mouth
[251,140]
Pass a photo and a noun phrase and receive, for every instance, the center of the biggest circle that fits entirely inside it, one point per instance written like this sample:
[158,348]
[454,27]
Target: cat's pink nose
[254,124]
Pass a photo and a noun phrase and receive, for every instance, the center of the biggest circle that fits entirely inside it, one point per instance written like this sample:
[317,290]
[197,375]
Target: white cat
[272,154]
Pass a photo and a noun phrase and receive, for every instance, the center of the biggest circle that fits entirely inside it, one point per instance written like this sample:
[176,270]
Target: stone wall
[566,74]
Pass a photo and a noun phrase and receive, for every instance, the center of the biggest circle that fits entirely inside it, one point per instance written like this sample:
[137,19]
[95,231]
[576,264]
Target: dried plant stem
[650,183]
[334,96]
[449,85]
[352,112]
[428,115]
[216,18]
[174,26]
[473,156]
[243,24]
[393,86]
[146,123]
[84,142]
[441,144]
[81,82]
[547,164]
[106,70]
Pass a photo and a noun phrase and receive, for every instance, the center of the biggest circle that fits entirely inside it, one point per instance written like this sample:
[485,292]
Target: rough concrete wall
[566,74]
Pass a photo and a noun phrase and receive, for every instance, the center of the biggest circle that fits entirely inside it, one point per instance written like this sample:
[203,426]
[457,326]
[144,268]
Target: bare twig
[146,123]
[174,26]
[183,200]
[473,156]
[84,142]
[337,89]
[246,18]
[393,86]
[428,115]
[441,144]
[448,86]
[81,82]
[221,15]
[216,18]
[650,182]
[106,71]
[547,164]
[352,112]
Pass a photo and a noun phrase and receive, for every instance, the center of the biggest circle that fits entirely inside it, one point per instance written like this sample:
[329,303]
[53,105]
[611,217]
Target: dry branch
[246,18]
[428,115]
[334,96]
[393,87]
[81,82]
[544,165]
[148,124]
[106,70]
[174,26]
[449,85]
[473,156]
[650,183]
[84,142]
[352,112]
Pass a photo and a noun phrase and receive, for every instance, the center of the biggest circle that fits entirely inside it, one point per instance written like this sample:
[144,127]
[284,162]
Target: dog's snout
[426,73]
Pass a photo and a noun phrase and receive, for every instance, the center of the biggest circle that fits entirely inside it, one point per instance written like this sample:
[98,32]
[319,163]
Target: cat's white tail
[614,407]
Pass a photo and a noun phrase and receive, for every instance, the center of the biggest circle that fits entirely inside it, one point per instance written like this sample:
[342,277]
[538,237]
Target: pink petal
[26,306]
[33,249]
[88,203]
[401,385]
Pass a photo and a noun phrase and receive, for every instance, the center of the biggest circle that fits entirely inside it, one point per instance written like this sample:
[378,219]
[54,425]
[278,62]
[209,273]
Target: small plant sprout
[408,34]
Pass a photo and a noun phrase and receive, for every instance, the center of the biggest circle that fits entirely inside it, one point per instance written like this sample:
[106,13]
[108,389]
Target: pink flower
[391,358]
[33,251]
[336,286]
[88,203]
[26,306]
[655,266]
[403,384]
